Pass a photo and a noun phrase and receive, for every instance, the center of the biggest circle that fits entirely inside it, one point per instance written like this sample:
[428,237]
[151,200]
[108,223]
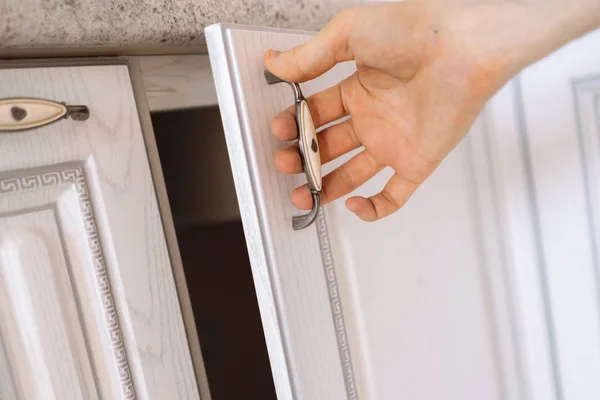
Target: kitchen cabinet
[544,129]
[352,310]
[89,308]
[484,286]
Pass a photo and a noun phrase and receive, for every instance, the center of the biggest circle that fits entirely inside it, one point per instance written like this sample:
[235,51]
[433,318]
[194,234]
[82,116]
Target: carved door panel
[351,310]
[485,285]
[544,132]
[88,304]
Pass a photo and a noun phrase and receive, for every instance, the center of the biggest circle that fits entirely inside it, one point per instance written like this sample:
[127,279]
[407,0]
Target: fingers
[340,181]
[325,107]
[316,56]
[393,196]
[333,142]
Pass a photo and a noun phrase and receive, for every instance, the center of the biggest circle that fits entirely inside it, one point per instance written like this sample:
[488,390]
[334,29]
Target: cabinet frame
[143,114]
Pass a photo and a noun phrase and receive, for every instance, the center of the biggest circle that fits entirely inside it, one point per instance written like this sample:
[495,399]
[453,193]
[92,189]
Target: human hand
[424,71]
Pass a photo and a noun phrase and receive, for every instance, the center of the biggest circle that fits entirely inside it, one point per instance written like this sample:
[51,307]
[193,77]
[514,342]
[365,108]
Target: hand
[425,69]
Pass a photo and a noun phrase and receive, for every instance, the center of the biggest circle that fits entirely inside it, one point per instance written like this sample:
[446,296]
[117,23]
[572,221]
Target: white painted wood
[421,283]
[178,81]
[519,237]
[554,104]
[168,225]
[41,325]
[425,313]
[89,305]
[287,267]
[7,386]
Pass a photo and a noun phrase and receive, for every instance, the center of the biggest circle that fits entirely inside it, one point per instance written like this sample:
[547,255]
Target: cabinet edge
[168,225]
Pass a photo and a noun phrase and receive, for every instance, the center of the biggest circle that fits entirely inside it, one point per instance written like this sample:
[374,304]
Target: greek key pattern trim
[76,177]
[336,307]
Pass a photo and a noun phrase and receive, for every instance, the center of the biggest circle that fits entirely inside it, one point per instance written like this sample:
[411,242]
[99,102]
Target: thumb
[315,57]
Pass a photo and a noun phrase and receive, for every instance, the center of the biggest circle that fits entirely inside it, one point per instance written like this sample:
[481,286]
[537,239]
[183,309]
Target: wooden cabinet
[484,286]
[88,302]
[543,128]
[394,309]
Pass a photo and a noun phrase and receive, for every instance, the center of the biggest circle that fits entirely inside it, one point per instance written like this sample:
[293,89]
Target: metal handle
[309,151]
[23,113]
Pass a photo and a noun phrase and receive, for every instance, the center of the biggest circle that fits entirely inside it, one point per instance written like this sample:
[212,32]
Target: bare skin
[425,69]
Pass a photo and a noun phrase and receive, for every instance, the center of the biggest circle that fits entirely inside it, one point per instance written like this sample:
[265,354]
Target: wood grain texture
[169,226]
[117,199]
[40,321]
[180,81]
[423,293]
[287,266]
[7,384]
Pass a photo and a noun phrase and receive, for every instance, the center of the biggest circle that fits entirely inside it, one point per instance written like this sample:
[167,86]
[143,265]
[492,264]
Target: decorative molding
[336,307]
[538,239]
[75,176]
[587,90]
[495,266]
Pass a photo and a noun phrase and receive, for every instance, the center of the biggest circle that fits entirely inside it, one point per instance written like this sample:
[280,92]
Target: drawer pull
[309,152]
[22,113]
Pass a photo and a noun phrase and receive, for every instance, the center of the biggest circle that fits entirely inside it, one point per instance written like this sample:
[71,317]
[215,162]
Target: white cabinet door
[88,304]
[411,307]
[545,133]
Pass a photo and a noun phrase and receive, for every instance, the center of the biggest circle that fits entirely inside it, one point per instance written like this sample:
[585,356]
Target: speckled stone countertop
[99,23]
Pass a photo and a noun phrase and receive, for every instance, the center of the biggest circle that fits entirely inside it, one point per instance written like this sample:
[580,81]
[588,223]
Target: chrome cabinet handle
[309,151]
[22,113]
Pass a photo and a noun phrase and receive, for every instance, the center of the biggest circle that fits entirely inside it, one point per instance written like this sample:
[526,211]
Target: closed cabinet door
[544,130]
[88,304]
[470,290]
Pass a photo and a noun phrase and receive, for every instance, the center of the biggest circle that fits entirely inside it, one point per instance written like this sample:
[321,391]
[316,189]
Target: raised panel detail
[546,167]
[587,105]
[58,316]
[39,319]
[95,175]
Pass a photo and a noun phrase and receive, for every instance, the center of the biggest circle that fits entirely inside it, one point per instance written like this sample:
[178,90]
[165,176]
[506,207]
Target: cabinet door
[410,307]
[544,128]
[88,304]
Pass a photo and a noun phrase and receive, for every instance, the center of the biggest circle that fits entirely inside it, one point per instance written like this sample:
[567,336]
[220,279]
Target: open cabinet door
[398,309]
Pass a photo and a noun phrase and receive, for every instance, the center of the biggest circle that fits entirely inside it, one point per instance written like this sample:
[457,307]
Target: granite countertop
[100,23]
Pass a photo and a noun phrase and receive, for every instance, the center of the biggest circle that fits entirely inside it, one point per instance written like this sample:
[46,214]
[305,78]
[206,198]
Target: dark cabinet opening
[203,203]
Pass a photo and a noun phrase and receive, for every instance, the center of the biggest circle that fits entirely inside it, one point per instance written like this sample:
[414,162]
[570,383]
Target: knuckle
[324,148]
[346,177]
[351,133]
[393,204]
[314,111]
[372,161]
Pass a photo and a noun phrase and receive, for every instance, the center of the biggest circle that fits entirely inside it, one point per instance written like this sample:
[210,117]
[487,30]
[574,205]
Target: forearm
[513,33]
[552,24]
